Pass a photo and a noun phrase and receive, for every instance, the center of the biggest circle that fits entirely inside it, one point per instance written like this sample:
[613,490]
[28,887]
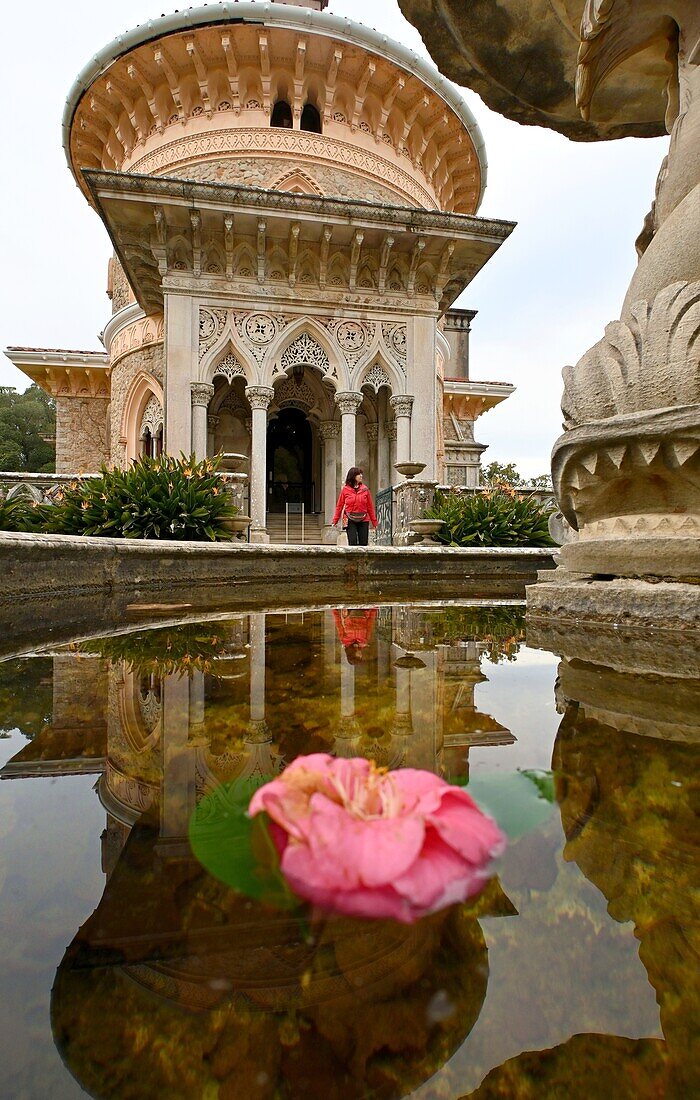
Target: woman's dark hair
[352,474]
[353,652]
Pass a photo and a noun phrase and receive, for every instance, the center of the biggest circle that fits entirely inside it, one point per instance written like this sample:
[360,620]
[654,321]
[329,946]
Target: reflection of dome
[177,985]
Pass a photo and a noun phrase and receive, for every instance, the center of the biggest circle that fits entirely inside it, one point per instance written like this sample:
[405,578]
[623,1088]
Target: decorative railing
[385,517]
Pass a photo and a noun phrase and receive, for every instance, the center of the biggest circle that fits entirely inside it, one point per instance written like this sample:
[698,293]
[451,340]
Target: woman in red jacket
[356,501]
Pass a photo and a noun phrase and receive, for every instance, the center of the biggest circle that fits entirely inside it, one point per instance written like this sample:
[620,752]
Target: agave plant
[500,517]
[156,498]
[166,651]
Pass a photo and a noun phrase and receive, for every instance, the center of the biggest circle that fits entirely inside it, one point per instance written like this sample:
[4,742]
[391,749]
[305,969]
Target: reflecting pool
[151,950]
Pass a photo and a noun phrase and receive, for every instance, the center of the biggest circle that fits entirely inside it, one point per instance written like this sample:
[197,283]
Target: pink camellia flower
[359,840]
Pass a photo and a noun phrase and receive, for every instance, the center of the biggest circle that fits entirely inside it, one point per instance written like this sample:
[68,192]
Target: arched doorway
[290,462]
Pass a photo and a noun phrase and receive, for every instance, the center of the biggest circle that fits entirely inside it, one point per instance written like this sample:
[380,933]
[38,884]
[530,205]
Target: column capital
[202,393]
[329,429]
[213,421]
[402,404]
[259,396]
[390,426]
[348,401]
[372,432]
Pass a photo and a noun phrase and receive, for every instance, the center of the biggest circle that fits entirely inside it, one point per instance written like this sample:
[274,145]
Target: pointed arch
[298,182]
[377,356]
[216,360]
[244,261]
[308,342]
[143,387]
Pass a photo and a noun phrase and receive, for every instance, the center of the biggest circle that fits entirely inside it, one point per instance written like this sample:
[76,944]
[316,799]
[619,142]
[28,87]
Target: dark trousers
[358,533]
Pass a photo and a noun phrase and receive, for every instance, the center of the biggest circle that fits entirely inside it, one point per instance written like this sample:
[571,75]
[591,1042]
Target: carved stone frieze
[139,334]
[294,144]
[211,324]
[394,337]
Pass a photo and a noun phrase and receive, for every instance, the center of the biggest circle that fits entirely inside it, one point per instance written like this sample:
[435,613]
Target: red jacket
[355,500]
[355,627]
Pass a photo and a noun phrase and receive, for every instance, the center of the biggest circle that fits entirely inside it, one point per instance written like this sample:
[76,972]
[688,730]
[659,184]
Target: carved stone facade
[302,282]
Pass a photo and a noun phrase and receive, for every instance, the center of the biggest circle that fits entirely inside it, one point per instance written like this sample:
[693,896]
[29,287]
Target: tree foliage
[27,430]
[498,473]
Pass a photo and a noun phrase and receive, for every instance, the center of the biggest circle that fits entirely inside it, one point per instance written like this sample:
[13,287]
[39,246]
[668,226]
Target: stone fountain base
[563,596]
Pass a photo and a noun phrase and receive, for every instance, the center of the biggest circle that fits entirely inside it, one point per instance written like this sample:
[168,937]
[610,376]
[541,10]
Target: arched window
[311,119]
[282,115]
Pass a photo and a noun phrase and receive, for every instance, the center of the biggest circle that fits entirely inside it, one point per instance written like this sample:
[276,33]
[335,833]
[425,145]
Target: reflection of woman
[355,502]
[355,627]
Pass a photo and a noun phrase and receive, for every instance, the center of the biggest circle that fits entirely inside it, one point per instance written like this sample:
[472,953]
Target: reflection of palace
[235,994]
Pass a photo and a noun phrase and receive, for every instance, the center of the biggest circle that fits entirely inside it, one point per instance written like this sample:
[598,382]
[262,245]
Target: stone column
[181,344]
[373,472]
[329,430]
[402,405]
[212,424]
[384,470]
[257,668]
[422,379]
[259,398]
[390,428]
[202,394]
[348,402]
[178,799]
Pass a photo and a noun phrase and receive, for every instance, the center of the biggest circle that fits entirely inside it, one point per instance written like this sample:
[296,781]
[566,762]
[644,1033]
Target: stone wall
[150,360]
[118,286]
[81,434]
[269,171]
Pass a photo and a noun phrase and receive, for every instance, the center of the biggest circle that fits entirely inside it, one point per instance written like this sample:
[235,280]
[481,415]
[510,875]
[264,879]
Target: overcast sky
[542,300]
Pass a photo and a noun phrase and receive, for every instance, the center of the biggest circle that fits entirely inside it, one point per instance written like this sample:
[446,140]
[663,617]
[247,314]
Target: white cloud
[542,300]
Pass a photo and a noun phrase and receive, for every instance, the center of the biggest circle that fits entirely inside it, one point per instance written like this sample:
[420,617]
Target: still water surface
[132,967]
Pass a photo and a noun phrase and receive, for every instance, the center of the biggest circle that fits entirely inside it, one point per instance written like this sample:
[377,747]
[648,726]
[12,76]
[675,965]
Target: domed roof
[139,93]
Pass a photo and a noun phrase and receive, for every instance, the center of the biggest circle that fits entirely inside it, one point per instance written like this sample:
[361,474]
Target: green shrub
[497,518]
[166,651]
[156,498]
[20,514]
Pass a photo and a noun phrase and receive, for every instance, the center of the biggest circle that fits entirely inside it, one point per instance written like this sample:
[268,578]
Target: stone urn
[427,529]
[231,463]
[238,525]
[409,470]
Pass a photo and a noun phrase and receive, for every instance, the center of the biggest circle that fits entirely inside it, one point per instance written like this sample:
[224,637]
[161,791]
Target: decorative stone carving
[259,397]
[372,432]
[390,428]
[632,367]
[234,144]
[402,404]
[348,402]
[351,336]
[202,393]
[329,429]
[229,368]
[259,328]
[376,378]
[291,392]
[306,351]
[152,419]
[394,337]
[213,422]
[211,324]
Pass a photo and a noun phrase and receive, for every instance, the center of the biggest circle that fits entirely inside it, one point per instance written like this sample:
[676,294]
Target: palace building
[292,201]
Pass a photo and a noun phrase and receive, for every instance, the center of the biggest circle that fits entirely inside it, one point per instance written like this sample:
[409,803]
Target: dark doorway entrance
[289,468]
